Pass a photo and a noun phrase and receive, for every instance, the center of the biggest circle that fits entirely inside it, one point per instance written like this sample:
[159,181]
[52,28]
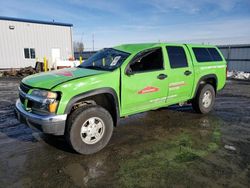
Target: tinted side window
[148,61]
[215,54]
[177,57]
[202,55]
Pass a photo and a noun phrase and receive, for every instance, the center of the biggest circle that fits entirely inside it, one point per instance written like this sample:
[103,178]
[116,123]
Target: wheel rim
[92,130]
[207,99]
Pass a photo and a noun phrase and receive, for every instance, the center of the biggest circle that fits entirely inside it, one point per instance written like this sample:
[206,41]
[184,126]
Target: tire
[199,103]
[79,134]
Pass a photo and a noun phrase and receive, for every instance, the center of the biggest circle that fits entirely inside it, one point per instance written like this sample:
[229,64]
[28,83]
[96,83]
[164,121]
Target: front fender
[73,90]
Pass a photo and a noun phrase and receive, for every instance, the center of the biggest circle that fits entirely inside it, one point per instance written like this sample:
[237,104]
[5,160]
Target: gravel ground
[169,147]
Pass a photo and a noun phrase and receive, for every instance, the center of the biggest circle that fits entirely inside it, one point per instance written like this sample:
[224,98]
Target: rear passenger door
[180,74]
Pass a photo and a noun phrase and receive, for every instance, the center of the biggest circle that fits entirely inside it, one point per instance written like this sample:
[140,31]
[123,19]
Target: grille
[22,99]
[24,88]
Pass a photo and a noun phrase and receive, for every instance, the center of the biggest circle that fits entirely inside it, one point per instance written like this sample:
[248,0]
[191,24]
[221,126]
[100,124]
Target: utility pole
[93,41]
[82,45]
[82,37]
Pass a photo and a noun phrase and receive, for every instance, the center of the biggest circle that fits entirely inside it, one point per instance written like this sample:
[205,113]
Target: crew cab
[84,103]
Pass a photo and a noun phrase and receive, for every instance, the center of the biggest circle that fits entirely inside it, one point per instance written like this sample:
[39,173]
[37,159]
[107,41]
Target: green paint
[85,80]
[53,78]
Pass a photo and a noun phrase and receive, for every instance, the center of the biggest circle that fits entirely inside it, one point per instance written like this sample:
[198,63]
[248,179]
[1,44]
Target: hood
[51,79]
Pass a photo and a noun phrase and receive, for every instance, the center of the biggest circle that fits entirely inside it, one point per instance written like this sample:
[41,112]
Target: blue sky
[125,21]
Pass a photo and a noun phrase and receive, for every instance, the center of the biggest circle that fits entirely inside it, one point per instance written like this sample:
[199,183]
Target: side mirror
[129,71]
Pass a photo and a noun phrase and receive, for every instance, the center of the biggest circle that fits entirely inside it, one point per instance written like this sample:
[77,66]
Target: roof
[135,48]
[35,21]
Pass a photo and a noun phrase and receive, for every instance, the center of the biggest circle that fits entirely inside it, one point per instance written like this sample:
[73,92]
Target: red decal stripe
[65,73]
[148,89]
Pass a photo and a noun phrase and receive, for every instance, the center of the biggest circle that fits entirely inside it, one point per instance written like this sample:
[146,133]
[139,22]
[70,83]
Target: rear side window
[177,57]
[206,54]
[215,54]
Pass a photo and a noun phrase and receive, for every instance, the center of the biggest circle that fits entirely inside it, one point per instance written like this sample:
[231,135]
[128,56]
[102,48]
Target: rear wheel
[204,100]
[89,129]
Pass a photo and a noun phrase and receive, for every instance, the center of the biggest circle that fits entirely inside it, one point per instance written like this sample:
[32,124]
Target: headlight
[48,99]
[44,94]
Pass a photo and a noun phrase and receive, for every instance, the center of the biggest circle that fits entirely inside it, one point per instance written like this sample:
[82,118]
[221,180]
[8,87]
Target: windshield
[106,59]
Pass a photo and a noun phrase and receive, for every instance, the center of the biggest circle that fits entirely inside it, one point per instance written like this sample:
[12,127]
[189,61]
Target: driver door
[144,83]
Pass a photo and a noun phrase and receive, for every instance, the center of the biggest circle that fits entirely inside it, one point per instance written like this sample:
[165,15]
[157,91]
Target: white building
[23,42]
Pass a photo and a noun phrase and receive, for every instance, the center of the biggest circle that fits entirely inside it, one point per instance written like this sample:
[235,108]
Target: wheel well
[210,80]
[105,100]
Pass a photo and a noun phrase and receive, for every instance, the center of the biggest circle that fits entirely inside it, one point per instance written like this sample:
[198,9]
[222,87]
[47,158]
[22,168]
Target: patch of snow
[238,75]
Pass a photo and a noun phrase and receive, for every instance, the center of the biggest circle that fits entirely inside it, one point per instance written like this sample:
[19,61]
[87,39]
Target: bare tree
[78,47]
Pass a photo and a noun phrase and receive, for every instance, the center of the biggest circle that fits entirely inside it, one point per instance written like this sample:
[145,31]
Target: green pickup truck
[84,103]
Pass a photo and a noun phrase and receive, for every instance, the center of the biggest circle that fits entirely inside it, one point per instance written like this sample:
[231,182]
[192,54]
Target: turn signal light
[52,107]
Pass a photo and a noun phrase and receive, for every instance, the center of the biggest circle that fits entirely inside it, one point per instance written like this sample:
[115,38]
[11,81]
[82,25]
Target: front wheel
[204,100]
[89,129]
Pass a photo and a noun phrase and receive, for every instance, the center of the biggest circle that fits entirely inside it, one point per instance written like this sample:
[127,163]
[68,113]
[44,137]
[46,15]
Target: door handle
[187,73]
[162,76]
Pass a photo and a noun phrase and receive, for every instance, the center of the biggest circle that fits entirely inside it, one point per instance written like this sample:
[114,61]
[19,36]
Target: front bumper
[50,124]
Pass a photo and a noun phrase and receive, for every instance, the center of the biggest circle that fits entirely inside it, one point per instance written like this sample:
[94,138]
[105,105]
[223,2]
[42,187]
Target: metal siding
[31,35]
[240,53]
[224,52]
[239,66]
[237,56]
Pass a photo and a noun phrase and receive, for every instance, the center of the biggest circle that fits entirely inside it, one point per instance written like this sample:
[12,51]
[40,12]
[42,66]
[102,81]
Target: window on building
[177,57]
[206,54]
[29,53]
[26,53]
[148,61]
[32,53]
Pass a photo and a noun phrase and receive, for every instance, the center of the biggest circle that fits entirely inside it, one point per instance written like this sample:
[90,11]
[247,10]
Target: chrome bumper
[50,124]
